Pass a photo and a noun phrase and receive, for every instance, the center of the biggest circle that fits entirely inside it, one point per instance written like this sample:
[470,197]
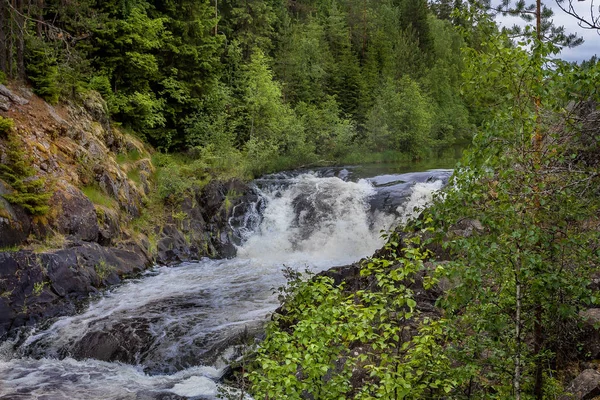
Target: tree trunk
[517,379]
[20,39]
[538,341]
[40,18]
[3,30]
[10,43]
[216,17]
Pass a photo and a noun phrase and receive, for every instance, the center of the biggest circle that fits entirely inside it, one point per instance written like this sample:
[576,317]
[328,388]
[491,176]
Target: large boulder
[76,214]
[40,286]
[585,387]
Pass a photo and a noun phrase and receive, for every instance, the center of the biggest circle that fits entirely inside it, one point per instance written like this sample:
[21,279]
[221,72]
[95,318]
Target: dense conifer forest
[277,83]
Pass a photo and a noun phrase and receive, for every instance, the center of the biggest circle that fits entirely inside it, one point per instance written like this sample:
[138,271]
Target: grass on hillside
[129,157]
[98,196]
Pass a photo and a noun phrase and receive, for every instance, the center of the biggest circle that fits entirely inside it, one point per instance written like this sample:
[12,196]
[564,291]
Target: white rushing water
[163,336]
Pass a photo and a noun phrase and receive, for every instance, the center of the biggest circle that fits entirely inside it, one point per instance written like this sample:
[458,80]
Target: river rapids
[172,331]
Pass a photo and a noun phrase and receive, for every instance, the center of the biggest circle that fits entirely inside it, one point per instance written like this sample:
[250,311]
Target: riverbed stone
[124,342]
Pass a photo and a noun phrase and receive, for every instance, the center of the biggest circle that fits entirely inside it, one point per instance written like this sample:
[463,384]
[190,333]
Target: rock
[55,115]
[4,91]
[7,314]
[466,227]
[122,342]
[4,103]
[172,246]
[591,334]
[585,387]
[109,226]
[76,215]
[40,286]
[218,201]
[97,108]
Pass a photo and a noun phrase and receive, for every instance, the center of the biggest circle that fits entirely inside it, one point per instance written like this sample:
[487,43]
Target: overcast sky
[590,47]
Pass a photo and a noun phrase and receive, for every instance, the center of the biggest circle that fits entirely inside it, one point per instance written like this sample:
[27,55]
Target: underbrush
[372,341]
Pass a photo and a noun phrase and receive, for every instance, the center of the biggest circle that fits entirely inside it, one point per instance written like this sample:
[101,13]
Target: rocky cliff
[99,227]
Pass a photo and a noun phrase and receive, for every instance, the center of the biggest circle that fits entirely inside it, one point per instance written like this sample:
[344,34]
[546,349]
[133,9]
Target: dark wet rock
[204,224]
[109,228]
[585,387]
[172,247]
[77,215]
[8,315]
[125,342]
[39,286]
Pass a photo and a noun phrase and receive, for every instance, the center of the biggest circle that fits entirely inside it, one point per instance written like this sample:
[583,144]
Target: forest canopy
[301,80]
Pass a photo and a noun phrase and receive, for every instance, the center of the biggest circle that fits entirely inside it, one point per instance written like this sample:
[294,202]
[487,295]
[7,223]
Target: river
[171,333]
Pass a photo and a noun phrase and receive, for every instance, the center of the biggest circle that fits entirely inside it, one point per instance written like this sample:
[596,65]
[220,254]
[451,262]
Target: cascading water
[168,334]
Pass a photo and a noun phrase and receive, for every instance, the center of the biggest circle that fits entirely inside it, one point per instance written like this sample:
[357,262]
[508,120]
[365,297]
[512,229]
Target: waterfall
[172,331]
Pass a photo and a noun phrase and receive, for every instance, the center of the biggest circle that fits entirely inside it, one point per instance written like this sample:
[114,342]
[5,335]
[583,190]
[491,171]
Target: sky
[590,47]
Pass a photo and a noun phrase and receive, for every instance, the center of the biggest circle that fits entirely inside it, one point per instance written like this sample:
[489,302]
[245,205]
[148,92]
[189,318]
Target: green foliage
[103,269]
[330,344]
[129,157]
[98,196]
[514,288]
[177,176]
[401,118]
[42,69]
[38,287]
[519,284]
[330,134]
[414,18]
[6,125]
[28,189]
[256,79]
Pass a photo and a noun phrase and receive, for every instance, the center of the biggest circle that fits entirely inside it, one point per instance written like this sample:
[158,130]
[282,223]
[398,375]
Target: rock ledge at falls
[80,246]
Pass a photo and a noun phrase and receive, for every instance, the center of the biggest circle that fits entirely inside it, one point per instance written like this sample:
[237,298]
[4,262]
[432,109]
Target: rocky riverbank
[99,228]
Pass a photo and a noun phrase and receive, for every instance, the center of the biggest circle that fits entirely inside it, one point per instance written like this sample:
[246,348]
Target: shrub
[29,190]
[42,70]
[6,125]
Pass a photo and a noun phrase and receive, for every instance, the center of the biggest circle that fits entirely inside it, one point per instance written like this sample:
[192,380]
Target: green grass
[98,196]
[134,175]
[10,249]
[50,242]
[130,156]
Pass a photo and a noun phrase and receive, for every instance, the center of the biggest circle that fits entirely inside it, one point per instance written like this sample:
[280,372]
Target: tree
[414,18]
[401,118]
[591,21]
[544,28]
[524,278]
